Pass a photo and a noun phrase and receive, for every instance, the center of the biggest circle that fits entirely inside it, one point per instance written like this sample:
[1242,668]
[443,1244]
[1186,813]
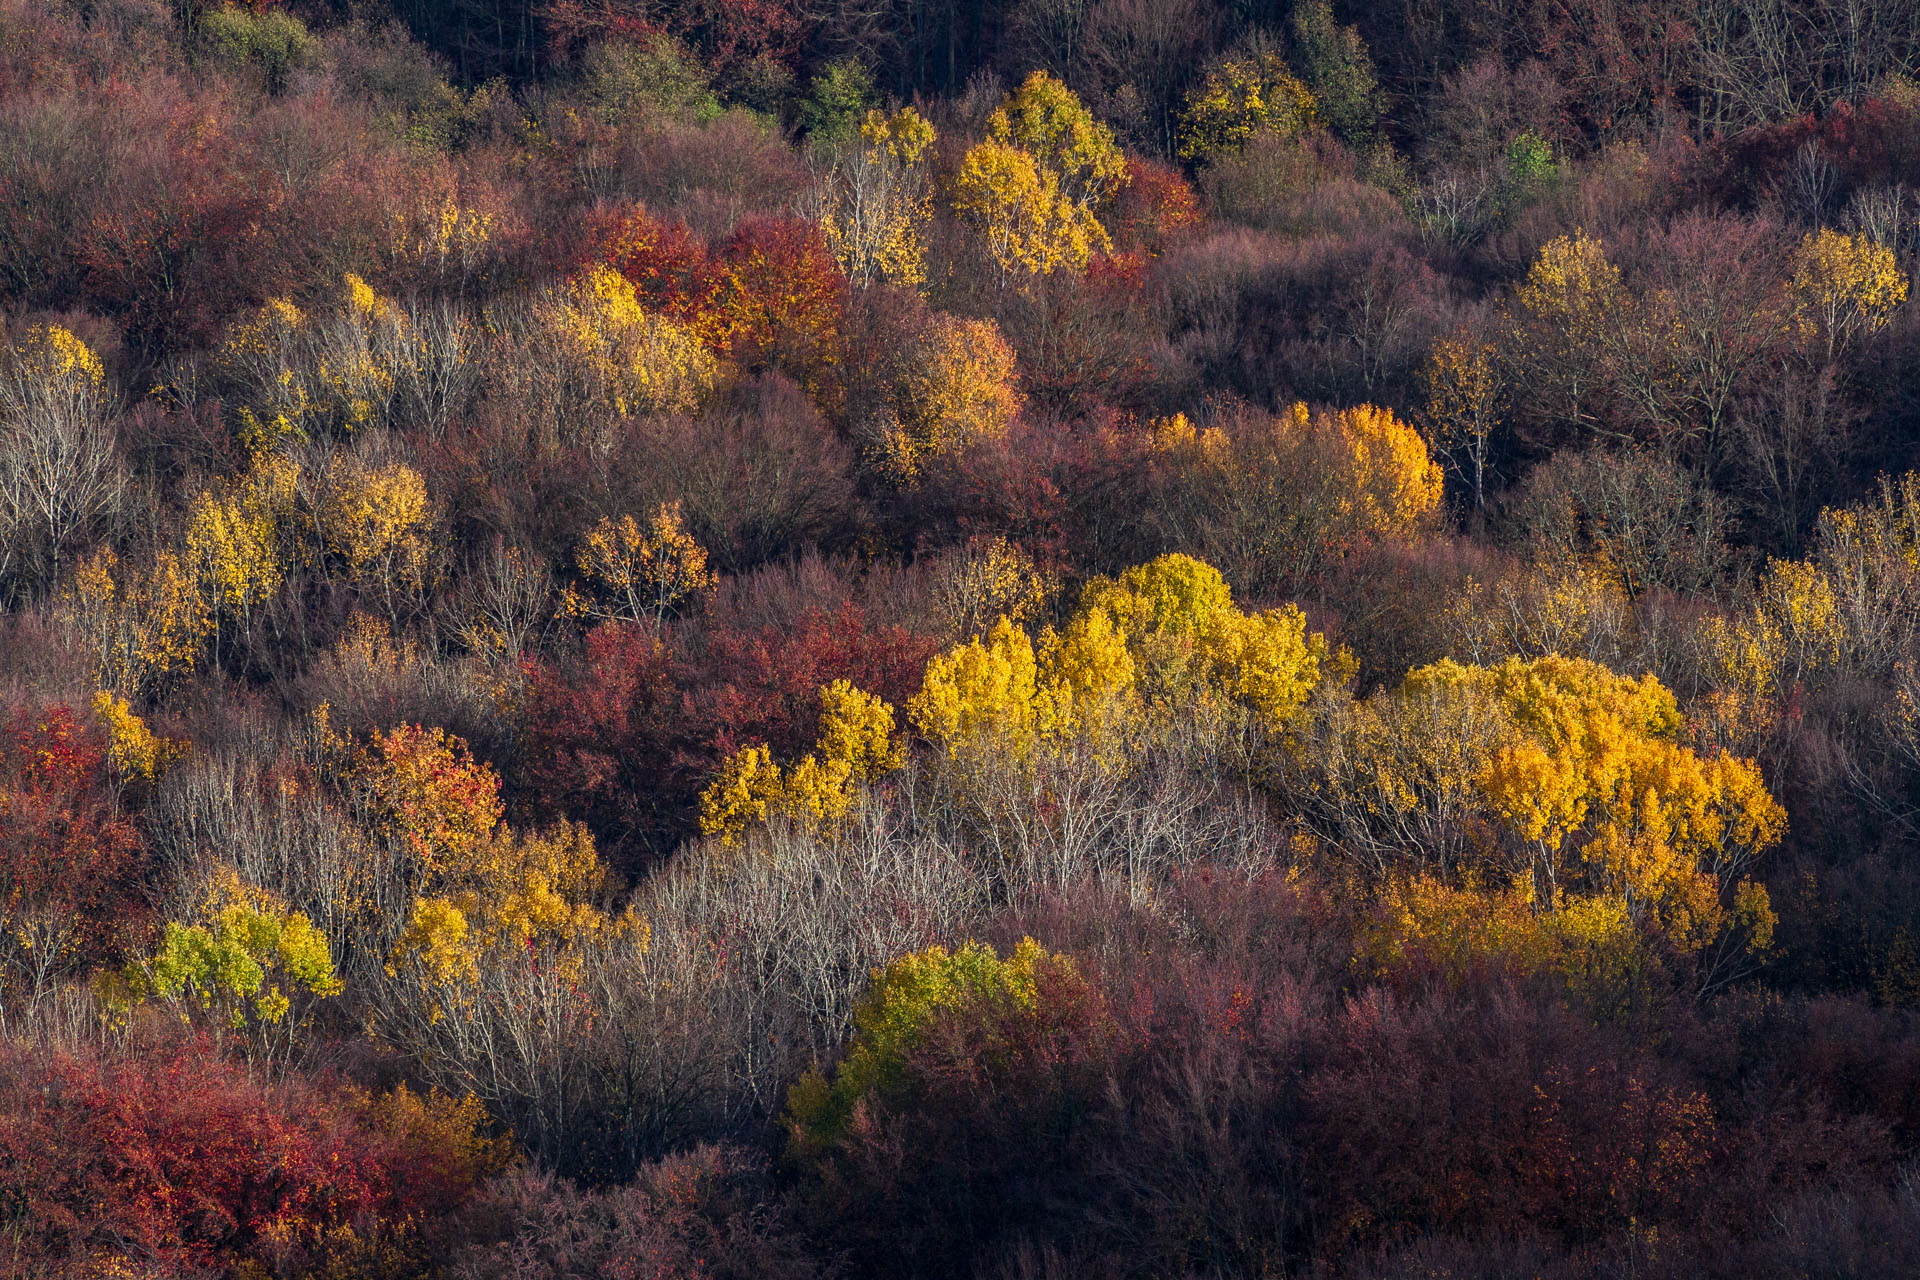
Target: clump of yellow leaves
[855,747]
[1269,495]
[1844,286]
[292,373]
[366,524]
[377,522]
[54,372]
[1589,944]
[512,892]
[957,387]
[1003,698]
[447,237]
[1195,646]
[1164,638]
[238,534]
[133,750]
[146,628]
[1390,482]
[1842,612]
[1571,283]
[985,580]
[1465,387]
[482,892]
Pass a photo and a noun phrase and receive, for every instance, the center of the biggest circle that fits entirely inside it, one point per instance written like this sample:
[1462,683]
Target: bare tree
[60,464]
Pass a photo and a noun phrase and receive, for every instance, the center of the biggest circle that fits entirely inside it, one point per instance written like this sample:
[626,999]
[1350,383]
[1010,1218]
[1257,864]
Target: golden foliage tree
[957,385]
[239,535]
[641,574]
[1044,119]
[987,579]
[376,523]
[147,626]
[876,201]
[612,351]
[343,365]
[855,748]
[1844,286]
[1034,188]
[1389,484]
[134,752]
[1162,642]
[1465,387]
[1564,779]
[512,892]
[1569,309]
[1246,99]
[60,467]
[1269,495]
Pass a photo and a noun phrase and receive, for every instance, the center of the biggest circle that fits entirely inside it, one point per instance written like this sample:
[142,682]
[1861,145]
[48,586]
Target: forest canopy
[1011,640]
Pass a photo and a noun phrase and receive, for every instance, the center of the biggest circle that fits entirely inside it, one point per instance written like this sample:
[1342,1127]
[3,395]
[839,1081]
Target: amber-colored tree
[1568,310]
[1035,189]
[956,385]
[1246,100]
[1844,287]
[1464,393]
[641,574]
[875,201]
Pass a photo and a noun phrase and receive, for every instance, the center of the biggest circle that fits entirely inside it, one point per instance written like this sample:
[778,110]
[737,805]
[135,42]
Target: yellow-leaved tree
[134,752]
[609,350]
[1563,780]
[60,466]
[376,523]
[1244,100]
[147,626]
[1844,286]
[875,202]
[293,373]
[510,892]
[1035,187]
[640,574]
[957,385]
[1146,657]
[1267,495]
[239,536]
[475,900]
[1194,646]
[1843,614]
[1465,388]
[1569,310]
[988,578]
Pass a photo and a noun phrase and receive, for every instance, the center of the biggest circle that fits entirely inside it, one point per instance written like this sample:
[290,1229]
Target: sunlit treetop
[1245,100]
